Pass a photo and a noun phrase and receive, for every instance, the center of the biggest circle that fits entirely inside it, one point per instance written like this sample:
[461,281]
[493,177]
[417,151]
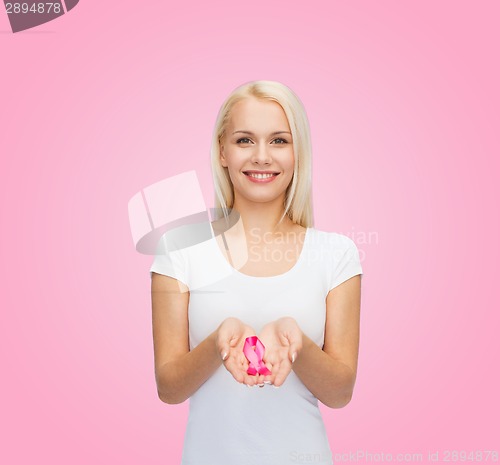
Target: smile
[261,178]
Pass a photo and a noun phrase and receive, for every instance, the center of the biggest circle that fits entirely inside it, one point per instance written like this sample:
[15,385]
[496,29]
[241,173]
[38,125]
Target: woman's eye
[246,140]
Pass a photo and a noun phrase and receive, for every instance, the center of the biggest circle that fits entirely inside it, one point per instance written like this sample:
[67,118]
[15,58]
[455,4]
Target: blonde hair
[298,196]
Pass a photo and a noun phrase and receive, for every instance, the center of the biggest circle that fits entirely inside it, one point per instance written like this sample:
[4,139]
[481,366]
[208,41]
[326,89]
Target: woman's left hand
[282,340]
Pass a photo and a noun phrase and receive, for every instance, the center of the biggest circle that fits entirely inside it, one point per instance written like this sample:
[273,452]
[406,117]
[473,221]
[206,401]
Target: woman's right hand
[231,335]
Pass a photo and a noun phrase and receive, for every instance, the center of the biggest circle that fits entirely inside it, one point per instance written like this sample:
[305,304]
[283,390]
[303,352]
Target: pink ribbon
[254,351]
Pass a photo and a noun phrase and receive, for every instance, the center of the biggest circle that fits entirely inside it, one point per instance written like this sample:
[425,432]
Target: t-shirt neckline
[297,264]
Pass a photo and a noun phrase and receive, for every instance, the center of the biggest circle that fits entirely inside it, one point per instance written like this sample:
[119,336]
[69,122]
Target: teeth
[260,176]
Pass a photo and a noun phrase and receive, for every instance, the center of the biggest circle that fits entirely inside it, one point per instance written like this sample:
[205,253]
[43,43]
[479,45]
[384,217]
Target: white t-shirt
[229,423]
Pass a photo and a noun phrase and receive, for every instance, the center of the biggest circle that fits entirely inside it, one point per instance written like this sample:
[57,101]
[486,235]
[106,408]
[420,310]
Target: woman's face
[258,140]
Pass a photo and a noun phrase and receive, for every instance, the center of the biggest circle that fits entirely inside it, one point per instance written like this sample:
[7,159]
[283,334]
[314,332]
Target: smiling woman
[294,290]
[261,157]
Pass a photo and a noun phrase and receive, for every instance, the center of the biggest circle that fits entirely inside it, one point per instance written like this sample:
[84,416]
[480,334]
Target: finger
[272,377]
[231,365]
[260,380]
[293,352]
[268,379]
[224,351]
[242,363]
[271,362]
[249,380]
[271,356]
[294,344]
[229,344]
[269,365]
[242,360]
[237,374]
[282,373]
[246,379]
[284,339]
[236,367]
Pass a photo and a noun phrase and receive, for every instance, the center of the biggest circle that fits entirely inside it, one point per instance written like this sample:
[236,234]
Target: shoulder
[330,240]
[341,256]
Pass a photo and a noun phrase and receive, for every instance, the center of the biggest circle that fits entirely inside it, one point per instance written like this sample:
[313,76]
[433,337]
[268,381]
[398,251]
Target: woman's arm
[330,374]
[180,372]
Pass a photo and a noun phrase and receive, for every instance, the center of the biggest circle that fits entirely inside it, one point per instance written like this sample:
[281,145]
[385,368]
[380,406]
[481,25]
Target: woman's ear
[222,157]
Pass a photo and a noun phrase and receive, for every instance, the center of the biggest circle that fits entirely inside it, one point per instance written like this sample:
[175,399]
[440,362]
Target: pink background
[403,102]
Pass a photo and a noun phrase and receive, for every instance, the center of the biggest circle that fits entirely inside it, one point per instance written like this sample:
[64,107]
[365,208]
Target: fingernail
[294,356]
[224,356]
[274,386]
[267,382]
[261,385]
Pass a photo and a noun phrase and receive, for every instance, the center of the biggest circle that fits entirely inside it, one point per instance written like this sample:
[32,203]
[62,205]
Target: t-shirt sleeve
[169,262]
[346,262]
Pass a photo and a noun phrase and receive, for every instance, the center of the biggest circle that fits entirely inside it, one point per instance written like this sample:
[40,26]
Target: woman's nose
[261,154]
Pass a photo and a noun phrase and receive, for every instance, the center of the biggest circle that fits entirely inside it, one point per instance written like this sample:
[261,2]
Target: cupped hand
[230,339]
[282,340]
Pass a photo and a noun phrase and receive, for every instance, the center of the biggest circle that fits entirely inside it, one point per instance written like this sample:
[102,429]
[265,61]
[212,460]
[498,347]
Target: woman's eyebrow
[272,134]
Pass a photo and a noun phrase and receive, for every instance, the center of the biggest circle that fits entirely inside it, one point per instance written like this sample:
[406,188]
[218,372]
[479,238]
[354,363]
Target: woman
[276,277]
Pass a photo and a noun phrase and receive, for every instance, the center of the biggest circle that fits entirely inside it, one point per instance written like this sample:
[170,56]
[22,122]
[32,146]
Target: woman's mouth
[260,177]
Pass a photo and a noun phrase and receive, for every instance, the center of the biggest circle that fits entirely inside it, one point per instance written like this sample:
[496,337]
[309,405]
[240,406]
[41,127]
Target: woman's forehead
[253,114]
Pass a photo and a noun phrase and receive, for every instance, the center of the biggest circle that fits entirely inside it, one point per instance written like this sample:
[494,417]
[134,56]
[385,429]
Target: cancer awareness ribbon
[254,351]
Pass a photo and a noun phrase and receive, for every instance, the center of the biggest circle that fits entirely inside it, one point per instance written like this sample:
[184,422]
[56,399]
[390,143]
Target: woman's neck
[259,219]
